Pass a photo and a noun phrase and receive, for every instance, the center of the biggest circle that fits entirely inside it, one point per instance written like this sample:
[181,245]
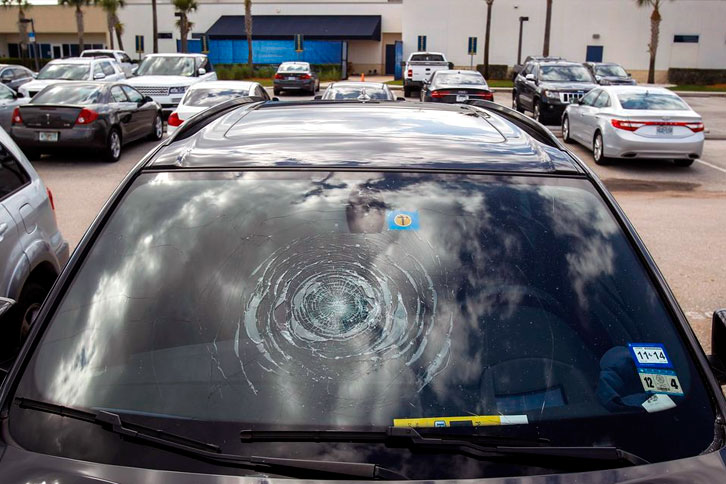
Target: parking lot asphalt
[679,212]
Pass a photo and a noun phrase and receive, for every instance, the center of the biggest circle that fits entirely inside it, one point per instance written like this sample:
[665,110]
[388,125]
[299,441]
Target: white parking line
[712,166]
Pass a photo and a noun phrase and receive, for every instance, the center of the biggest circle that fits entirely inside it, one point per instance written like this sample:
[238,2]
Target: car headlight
[177,90]
[551,94]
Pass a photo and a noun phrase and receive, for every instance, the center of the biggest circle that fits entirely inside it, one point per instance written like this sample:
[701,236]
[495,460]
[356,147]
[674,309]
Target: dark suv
[610,74]
[546,88]
[356,292]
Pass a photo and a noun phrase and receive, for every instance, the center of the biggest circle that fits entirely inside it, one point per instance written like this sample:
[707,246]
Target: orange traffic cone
[363,78]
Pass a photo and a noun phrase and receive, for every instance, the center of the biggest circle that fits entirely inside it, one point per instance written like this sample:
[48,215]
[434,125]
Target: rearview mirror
[717,358]
[5,304]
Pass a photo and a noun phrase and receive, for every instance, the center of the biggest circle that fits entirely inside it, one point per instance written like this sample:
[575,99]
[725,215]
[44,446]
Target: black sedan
[609,74]
[452,86]
[86,115]
[357,292]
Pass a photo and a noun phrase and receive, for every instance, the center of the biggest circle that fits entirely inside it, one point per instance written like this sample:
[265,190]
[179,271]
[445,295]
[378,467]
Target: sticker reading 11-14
[649,355]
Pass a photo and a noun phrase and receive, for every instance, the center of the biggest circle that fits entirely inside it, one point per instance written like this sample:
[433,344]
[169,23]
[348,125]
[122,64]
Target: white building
[692,33]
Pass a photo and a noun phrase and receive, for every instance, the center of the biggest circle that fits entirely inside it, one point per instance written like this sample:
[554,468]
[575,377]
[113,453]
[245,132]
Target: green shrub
[238,72]
[700,77]
[496,71]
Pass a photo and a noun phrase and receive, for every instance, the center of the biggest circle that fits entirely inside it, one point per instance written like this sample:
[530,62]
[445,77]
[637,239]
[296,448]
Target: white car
[120,56]
[419,67]
[166,77]
[635,122]
[204,95]
[73,69]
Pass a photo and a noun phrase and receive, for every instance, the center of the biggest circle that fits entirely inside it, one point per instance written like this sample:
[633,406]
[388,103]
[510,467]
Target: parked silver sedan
[635,122]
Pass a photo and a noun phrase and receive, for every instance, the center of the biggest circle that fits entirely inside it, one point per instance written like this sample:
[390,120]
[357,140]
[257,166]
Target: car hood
[568,86]
[166,81]
[18,465]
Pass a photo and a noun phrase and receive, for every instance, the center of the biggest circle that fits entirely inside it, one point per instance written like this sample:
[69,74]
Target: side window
[6,74]
[528,69]
[125,58]
[108,68]
[97,69]
[134,95]
[12,175]
[589,98]
[118,95]
[260,92]
[6,93]
[603,101]
[20,73]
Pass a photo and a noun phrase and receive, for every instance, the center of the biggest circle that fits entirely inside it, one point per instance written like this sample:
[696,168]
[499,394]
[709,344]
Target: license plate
[461,98]
[45,136]
[664,129]
[291,78]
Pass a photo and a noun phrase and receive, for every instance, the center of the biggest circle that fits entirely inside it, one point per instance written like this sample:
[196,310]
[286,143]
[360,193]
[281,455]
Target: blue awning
[313,27]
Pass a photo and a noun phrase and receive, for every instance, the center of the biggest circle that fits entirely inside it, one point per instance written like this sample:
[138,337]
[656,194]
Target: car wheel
[406,91]
[113,146]
[598,150]
[21,316]
[157,131]
[684,162]
[516,105]
[537,111]
[276,91]
[566,130]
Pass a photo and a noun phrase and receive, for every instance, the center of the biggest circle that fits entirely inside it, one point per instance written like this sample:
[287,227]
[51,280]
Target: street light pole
[35,41]
[519,49]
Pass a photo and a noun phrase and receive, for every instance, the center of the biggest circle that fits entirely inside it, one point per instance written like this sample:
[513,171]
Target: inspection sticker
[660,381]
[651,355]
[402,220]
[657,403]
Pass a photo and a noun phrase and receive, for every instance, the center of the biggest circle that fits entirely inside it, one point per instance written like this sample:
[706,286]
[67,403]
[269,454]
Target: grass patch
[698,88]
[395,83]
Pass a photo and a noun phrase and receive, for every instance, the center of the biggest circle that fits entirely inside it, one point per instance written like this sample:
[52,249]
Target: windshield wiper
[475,445]
[113,422]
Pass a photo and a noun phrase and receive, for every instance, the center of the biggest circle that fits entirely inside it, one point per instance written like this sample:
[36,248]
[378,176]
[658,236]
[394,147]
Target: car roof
[457,71]
[73,60]
[333,134]
[639,89]
[427,52]
[174,54]
[223,84]
[373,85]
[556,63]
[301,63]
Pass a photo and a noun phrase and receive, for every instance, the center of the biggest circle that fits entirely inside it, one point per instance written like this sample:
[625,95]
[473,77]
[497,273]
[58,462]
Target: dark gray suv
[368,291]
[32,249]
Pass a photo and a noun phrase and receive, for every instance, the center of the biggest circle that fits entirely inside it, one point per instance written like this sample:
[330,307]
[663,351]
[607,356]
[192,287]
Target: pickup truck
[419,67]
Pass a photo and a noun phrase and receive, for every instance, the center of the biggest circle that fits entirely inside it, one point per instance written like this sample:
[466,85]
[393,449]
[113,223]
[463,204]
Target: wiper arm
[480,447]
[210,452]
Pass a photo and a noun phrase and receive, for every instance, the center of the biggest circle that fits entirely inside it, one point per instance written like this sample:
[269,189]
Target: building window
[164,35]
[13,50]
[685,39]
[421,43]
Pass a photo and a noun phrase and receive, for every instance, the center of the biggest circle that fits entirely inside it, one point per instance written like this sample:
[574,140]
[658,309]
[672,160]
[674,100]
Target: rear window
[651,101]
[427,57]
[212,96]
[294,68]
[12,175]
[459,79]
[68,94]
[364,300]
[349,93]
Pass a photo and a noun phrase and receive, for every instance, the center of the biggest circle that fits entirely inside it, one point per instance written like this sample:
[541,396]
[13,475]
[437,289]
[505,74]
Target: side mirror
[598,79]
[629,74]
[18,95]
[529,77]
[202,71]
[5,304]
[399,98]
[275,99]
[717,358]
[134,69]
[98,76]
[318,97]
[148,99]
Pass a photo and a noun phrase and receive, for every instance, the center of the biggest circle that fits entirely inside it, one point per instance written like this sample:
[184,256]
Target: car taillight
[86,116]
[410,73]
[439,94]
[278,76]
[305,76]
[50,197]
[17,119]
[174,120]
[627,125]
[695,127]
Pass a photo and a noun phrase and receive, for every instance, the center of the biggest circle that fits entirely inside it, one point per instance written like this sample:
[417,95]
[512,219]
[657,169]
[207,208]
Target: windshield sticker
[402,220]
[660,381]
[467,421]
[658,403]
[651,355]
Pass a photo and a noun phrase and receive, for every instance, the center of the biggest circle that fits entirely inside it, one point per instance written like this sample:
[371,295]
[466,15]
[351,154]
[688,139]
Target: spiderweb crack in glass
[327,299]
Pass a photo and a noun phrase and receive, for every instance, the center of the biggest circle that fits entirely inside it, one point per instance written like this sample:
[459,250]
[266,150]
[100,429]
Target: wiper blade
[210,452]
[477,446]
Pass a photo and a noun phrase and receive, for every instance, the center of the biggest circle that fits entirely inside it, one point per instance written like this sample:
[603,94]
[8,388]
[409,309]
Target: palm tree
[248,29]
[79,16]
[486,38]
[655,19]
[22,5]
[155,26]
[111,7]
[548,21]
[183,9]
[119,27]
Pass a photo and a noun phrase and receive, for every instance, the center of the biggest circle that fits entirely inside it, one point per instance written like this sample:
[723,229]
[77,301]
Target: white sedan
[635,122]
[204,95]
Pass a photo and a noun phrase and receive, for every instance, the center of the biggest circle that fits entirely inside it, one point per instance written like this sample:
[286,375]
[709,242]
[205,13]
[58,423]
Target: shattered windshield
[358,300]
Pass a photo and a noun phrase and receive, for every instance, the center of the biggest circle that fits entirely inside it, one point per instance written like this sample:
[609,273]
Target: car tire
[684,162]
[113,146]
[276,91]
[21,316]
[157,129]
[537,111]
[598,150]
[566,130]
[406,91]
